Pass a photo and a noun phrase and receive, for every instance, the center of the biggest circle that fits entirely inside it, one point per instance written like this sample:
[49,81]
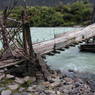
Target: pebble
[30,89]
[58,92]
[6,92]
[13,87]
[26,78]
[17,94]
[77,84]
[10,76]
[49,92]
[19,80]
[25,93]
[55,84]
[2,88]
[2,76]
[21,89]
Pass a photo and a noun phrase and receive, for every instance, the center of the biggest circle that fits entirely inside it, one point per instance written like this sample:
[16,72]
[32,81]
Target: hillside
[4,3]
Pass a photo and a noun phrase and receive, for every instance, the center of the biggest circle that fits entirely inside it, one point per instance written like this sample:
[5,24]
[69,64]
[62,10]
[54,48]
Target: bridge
[65,40]
[59,43]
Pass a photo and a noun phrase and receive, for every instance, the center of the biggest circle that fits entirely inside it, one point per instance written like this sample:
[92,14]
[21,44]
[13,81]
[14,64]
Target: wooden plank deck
[66,40]
[9,62]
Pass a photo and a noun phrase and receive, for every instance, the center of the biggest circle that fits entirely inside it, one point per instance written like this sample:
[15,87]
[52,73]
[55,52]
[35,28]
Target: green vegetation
[78,13]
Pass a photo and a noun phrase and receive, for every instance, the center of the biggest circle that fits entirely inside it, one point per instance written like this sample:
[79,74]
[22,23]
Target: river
[71,58]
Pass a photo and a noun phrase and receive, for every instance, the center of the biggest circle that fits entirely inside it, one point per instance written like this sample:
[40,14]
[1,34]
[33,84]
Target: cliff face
[4,3]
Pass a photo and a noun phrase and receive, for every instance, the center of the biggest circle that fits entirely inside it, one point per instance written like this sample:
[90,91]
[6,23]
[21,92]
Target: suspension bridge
[65,41]
[58,44]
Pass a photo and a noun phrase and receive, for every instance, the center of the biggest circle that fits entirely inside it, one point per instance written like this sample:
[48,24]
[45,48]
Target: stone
[30,94]
[2,71]
[77,84]
[69,80]
[13,87]
[30,89]
[21,89]
[57,79]
[10,76]
[2,76]
[51,81]
[19,80]
[25,93]
[55,84]
[58,92]
[6,92]
[46,84]
[42,93]
[17,94]
[2,88]
[32,79]
[49,92]
[26,78]
[70,70]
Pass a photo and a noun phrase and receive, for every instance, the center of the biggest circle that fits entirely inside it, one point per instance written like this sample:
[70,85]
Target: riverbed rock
[25,93]
[26,78]
[10,76]
[46,84]
[30,89]
[69,80]
[13,87]
[6,92]
[58,92]
[21,89]
[49,92]
[77,84]
[55,84]
[17,94]
[2,76]
[19,80]
[2,88]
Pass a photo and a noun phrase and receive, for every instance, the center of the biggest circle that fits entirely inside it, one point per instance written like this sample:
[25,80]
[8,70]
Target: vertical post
[6,45]
[54,42]
[3,30]
[27,41]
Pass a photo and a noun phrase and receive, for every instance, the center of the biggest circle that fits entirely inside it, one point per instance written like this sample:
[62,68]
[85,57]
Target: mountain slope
[4,3]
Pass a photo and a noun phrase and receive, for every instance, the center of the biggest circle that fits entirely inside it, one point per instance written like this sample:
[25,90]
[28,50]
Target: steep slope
[4,3]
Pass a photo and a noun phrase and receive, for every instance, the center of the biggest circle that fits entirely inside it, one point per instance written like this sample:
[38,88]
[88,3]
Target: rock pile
[59,84]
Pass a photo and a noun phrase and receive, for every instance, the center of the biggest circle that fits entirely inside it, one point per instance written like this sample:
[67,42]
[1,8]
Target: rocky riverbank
[59,84]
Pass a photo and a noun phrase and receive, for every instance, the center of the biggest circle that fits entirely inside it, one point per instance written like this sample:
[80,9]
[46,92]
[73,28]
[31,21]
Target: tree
[26,53]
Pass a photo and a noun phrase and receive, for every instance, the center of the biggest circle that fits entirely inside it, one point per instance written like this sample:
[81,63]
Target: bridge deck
[66,40]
